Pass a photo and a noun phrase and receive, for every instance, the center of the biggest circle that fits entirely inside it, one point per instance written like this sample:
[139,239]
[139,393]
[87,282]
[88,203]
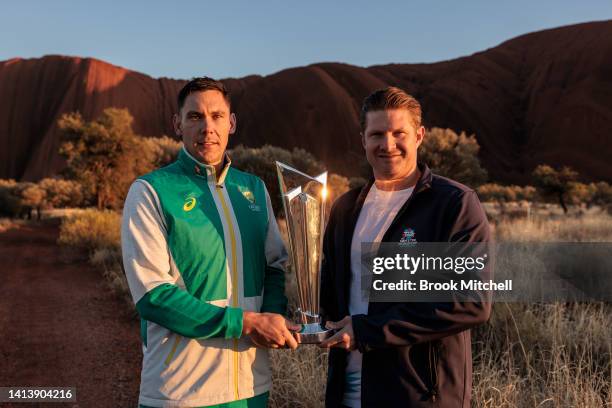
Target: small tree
[452,155]
[105,155]
[555,183]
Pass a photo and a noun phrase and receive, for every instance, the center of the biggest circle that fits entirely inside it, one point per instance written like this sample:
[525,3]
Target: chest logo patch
[190,203]
[408,237]
[248,194]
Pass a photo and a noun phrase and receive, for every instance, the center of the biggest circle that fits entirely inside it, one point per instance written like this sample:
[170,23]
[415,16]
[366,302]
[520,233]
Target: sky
[237,38]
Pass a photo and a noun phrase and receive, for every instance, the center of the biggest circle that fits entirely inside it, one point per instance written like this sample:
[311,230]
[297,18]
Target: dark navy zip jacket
[414,354]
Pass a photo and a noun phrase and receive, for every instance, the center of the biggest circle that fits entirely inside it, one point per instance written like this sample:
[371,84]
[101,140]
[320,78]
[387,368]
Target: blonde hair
[387,99]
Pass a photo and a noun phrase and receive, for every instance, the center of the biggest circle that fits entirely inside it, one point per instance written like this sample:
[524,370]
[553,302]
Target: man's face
[205,123]
[390,141]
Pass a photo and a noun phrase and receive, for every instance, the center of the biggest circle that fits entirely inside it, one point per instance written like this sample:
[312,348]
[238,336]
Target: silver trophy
[304,204]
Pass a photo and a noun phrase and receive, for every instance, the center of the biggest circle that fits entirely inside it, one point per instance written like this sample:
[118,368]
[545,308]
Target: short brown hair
[390,98]
[201,84]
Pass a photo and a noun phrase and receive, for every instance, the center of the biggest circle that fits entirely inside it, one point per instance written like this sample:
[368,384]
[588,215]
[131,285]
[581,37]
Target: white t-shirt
[377,214]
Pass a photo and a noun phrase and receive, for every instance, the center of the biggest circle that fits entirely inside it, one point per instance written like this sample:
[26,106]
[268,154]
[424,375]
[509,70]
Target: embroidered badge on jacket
[408,237]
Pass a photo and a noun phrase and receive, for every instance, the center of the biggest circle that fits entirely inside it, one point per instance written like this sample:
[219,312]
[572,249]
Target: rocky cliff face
[544,97]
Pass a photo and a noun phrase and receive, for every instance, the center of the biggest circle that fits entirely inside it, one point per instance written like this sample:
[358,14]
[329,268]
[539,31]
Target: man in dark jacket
[397,354]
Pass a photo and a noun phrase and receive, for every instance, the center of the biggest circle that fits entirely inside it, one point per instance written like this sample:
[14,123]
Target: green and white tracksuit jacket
[198,249]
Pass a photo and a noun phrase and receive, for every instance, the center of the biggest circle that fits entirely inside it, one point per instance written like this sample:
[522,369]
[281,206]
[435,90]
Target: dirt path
[61,326]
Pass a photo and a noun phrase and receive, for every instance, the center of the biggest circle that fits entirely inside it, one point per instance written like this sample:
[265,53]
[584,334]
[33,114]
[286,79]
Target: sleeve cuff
[367,335]
[234,323]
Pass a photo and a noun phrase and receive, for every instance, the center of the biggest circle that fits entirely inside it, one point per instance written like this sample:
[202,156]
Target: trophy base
[313,333]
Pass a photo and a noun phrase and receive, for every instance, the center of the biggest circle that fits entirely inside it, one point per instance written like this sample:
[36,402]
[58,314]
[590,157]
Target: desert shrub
[602,195]
[496,193]
[505,194]
[92,230]
[453,155]
[104,156]
[19,199]
[60,193]
[165,149]
[580,193]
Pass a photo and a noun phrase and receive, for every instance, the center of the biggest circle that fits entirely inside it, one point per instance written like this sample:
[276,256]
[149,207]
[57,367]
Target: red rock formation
[544,97]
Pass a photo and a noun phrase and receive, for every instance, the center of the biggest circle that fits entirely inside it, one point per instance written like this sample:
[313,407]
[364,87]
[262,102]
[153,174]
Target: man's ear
[176,121]
[420,135]
[232,123]
[362,139]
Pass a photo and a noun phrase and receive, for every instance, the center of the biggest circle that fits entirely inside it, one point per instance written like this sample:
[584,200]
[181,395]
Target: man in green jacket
[205,265]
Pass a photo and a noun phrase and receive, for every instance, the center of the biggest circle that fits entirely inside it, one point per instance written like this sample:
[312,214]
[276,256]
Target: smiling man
[205,264]
[397,354]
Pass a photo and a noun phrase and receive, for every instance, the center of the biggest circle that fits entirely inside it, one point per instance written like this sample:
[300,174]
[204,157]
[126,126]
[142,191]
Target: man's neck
[218,166]
[399,183]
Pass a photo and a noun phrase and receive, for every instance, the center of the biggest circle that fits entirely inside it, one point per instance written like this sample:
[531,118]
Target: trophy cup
[304,204]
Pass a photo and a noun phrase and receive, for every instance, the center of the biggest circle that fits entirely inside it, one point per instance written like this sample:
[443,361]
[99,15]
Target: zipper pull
[433,395]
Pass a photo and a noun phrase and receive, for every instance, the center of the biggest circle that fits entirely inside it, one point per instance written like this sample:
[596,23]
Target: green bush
[453,155]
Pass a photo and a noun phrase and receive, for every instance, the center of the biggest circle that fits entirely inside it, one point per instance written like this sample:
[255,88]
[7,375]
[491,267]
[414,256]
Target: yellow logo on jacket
[248,194]
[190,203]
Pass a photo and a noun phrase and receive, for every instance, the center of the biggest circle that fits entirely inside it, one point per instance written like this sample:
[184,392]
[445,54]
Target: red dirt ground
[60,325]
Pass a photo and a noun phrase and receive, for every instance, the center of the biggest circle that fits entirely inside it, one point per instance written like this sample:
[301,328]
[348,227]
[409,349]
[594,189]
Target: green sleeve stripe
[274,299]
[178,311]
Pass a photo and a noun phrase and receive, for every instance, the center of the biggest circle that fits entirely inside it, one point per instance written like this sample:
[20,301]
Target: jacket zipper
[173,351]
[433,371]
[234,281]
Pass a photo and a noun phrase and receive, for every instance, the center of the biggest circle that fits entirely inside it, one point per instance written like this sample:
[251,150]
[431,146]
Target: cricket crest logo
[248,194]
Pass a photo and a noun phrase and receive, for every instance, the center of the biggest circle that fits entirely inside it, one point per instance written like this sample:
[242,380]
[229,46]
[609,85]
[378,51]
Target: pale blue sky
[234,39]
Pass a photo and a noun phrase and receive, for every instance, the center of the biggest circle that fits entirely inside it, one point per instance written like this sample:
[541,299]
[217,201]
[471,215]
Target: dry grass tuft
[91,229]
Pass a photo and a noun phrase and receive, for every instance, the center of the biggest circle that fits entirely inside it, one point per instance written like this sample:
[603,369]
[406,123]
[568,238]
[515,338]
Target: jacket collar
[423,183]
[193,166]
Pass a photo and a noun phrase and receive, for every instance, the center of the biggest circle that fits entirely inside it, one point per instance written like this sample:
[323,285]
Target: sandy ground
[61,326]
